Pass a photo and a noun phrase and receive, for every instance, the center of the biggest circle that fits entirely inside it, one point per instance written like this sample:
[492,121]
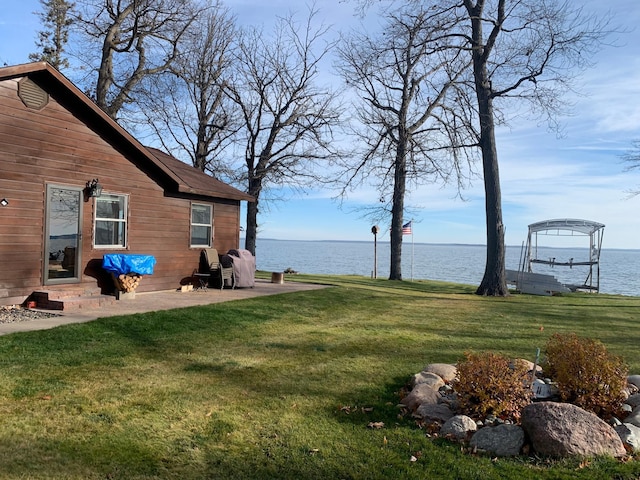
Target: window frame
[124,221]
[209,225]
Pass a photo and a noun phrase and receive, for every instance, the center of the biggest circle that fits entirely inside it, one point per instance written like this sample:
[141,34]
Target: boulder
[444,370]
[528,364]
[634,380]
[634,417]
[633,400]
[431,413]
[458,427]
[563,429]
[630,436]
[429,378]
[420,395]
[502,441]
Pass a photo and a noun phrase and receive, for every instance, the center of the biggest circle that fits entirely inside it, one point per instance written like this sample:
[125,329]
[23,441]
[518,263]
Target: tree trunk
[494,280]
[255,186]
[397,209]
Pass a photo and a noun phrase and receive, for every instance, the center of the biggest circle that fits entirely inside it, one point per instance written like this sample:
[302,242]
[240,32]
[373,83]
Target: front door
[63,237]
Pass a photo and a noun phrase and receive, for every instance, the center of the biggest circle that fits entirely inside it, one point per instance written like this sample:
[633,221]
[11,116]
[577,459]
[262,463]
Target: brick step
[68,292]
[69,300]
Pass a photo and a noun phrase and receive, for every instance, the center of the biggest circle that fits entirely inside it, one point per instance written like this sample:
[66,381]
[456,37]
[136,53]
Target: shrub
[489,383]
[586,374]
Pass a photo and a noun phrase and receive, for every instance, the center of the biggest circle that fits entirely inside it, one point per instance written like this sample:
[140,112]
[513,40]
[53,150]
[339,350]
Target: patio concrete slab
[153,301]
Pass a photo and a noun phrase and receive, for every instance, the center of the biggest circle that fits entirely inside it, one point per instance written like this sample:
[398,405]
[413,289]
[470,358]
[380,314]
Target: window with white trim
[201,225]
[110,225]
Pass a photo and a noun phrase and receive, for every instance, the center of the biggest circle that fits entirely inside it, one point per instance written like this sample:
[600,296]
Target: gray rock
[502,441]
[443,370]
[429,378]
[634,380]
[634,417]
[434,413]
[630,436]
[563,429]
[458,427]
[451,400]
[633,400]
[420,395]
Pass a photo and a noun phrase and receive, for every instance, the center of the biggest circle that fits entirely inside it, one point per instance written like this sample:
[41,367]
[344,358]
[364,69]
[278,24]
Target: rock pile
[547,428]
[16,313]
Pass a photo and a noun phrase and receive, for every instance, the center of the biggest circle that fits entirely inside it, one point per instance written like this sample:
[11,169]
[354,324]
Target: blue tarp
[122,264]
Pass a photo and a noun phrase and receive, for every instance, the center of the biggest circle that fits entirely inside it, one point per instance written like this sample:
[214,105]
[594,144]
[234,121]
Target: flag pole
[412,249]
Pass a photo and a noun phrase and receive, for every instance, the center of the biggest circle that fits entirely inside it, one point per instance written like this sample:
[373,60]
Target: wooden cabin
[74,186]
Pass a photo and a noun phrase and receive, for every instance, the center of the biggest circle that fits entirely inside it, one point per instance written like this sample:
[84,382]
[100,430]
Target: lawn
[279,387]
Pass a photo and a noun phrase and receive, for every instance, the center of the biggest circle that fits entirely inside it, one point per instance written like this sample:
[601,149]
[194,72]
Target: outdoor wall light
[4,202]
[94,189]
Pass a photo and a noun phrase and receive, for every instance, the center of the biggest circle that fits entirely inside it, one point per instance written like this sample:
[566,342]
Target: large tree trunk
[255,186]
[397,210]
[252,227]
[494,281]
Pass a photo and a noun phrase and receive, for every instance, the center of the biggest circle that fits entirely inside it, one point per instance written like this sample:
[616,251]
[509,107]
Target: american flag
[406,229]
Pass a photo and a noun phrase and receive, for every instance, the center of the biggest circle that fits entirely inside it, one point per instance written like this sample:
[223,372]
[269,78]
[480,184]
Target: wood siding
[52,146]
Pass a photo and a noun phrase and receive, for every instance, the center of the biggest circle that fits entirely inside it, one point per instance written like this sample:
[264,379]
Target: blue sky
[579,175]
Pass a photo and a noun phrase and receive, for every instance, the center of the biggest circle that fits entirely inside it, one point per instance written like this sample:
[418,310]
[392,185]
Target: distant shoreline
[386,242]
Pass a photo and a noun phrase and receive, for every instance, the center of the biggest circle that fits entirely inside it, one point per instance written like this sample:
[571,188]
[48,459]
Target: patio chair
[210,265]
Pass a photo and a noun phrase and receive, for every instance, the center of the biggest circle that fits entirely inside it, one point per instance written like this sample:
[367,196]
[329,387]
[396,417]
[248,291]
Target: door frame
[79,191]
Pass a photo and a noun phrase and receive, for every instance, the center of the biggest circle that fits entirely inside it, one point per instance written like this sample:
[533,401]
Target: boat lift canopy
[572,226]
[562,227]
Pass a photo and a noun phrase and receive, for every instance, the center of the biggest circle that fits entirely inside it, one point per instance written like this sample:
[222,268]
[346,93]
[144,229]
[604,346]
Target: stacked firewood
[128,282]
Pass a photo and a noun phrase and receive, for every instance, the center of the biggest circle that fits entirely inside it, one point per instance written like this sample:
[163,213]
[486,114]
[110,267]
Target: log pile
[127,283]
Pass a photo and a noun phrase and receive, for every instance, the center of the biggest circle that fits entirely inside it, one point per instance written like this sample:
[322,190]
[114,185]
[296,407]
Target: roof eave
[194,191]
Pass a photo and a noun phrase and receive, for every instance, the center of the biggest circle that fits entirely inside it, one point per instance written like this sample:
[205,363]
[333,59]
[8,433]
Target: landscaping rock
[630,436]
[429,378]
[634,380]
[422,394]
[434,413]
[451,400]
[633,400]
[528,364]
[634,417]
[458,427]
[502,441]
[562,429]
[443,370]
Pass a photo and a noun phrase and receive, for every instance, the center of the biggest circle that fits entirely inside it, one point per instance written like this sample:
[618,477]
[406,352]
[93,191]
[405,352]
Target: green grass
[278,387]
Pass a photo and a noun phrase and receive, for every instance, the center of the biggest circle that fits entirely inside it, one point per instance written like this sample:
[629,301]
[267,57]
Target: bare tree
[412,133]
[187,106]
[287,119]
[525,51]
[135,38]
[56,17]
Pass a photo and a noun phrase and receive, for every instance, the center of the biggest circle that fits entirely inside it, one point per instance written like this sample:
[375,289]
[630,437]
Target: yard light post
[375,229]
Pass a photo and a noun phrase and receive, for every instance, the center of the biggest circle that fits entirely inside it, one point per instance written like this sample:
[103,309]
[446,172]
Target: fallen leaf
[413,459]
[367,409]
[376,425]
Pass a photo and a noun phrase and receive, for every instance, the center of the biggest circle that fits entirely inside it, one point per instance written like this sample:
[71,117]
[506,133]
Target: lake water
[619,269]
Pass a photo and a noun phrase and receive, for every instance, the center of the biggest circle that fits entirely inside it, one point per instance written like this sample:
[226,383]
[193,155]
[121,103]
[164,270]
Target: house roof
[171,173]
[196,180]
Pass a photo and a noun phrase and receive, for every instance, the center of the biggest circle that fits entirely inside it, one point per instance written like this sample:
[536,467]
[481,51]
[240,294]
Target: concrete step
[70,300]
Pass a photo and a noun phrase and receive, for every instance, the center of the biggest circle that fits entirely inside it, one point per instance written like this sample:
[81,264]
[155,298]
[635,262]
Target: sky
[579,174]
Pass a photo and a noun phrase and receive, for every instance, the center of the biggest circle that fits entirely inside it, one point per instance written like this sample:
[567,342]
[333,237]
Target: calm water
[619,269]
